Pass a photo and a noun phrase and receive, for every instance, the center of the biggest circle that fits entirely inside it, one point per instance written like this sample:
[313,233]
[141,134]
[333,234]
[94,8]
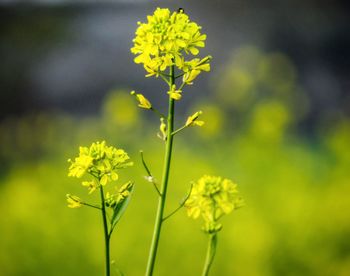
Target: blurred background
[277,111]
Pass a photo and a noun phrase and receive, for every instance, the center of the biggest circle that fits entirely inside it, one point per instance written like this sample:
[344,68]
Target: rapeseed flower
[100,161]
[165,39]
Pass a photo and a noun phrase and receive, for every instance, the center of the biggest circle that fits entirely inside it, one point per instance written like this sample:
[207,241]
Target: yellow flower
[143,101]
[194,67]
[100,161]
[175,94]
[211,197]
[91,185]
[192,120]
[73,201]
[163,40]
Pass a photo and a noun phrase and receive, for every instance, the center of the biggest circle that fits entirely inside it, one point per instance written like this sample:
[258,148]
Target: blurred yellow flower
[211,197]
[120,111]
[73,201]
[91,185]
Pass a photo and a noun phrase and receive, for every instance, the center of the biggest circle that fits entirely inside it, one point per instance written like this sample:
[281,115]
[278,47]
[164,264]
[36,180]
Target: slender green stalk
[164,185]
[210,253]
[106,235]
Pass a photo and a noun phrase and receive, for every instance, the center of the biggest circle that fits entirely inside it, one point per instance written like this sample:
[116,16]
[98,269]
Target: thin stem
[178,130]
[90,205]
[179,76]
[149,173]
[164,185]
[180,206]
[160,114]
[166,80]
[210,253]
[106,234]
[182,85]
[173,212]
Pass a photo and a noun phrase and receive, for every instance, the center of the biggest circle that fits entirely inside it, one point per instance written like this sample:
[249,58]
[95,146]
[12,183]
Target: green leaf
[120,207]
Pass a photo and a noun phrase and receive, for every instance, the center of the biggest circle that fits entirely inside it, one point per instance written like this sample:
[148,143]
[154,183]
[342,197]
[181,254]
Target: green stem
[178,130]
[164,185]
[106,235]
[210,253]
[149,173]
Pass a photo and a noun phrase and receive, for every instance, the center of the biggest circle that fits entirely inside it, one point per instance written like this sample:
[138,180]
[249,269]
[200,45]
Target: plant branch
[149,173]
[165,79]
[160,114]
[91,205]
[178,130]
[180,206]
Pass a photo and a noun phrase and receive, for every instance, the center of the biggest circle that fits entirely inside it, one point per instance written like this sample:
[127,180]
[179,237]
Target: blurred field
[296,187]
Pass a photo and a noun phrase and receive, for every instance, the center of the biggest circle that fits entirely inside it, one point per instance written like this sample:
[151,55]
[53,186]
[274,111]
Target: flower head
[100,161]
[211,197]
[164,39]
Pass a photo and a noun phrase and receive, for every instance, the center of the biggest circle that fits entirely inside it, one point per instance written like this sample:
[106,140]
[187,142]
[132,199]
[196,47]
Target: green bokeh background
[296,220]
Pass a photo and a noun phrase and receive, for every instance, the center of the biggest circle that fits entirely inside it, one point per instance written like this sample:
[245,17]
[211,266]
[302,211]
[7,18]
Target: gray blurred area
[66,55]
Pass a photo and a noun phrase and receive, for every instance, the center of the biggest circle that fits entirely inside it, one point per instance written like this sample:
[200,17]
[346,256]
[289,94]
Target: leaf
[120,207]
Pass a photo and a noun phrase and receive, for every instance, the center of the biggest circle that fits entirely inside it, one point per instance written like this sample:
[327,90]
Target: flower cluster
[165,39]
[211,197]
[100,161]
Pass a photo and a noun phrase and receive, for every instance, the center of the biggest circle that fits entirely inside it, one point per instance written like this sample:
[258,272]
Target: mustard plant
[166,42]
[99,164]
[164,46]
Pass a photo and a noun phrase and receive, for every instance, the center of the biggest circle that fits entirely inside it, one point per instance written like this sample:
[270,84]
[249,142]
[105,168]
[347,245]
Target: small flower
[175,94]
[73,201]
[212,197]
[91,185]
[143,101]
[194,67]
[193,120]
